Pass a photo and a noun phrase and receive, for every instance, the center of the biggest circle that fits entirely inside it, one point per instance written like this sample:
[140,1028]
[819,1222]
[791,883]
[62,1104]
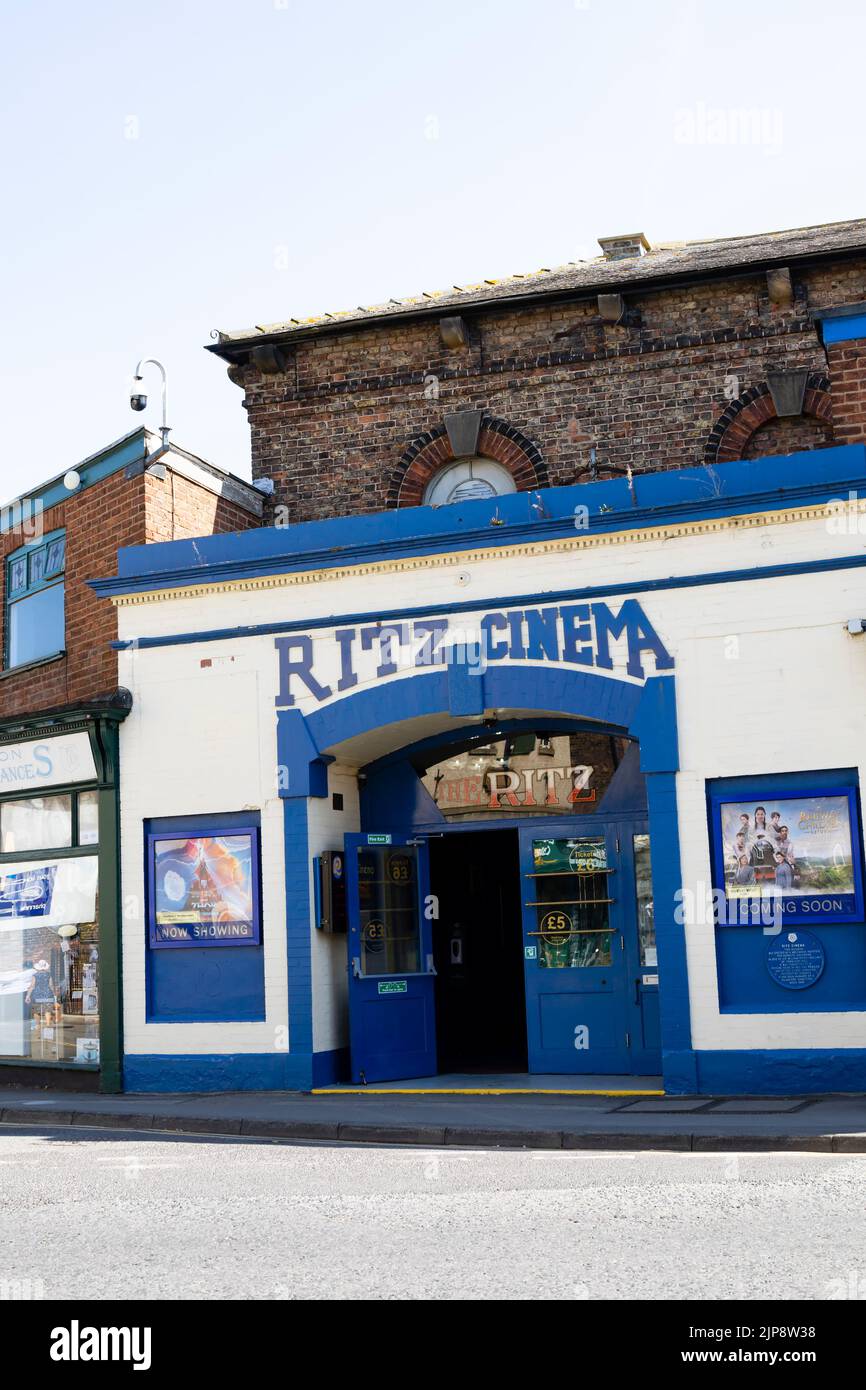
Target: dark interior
[477,944]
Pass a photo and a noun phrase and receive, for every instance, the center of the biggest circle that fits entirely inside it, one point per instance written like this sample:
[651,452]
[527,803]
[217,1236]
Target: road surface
[87,1214]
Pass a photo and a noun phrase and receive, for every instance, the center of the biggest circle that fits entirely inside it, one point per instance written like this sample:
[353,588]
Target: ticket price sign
[555,928]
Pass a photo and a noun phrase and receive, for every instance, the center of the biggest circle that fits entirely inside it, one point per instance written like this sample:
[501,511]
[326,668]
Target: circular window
[467,479]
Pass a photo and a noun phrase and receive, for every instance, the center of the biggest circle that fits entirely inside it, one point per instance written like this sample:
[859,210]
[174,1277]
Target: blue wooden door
[392,1023]
[577,910]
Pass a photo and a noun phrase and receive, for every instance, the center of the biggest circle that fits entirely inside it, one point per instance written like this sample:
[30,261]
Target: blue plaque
[796,959]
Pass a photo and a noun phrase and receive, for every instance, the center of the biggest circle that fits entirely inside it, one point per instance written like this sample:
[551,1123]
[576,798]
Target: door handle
[431,968]
[356,967]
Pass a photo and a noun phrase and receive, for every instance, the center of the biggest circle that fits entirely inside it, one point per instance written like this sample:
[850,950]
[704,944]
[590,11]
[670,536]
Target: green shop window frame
[36,569]
[101,723]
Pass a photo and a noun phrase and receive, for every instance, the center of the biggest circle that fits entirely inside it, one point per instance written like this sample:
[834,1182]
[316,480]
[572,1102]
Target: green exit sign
[378,839]
[392,986]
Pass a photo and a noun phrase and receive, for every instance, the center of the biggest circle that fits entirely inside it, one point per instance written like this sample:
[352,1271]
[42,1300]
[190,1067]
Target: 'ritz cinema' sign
[578,634]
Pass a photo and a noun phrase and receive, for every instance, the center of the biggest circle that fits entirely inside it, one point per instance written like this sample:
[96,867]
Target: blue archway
[306,744]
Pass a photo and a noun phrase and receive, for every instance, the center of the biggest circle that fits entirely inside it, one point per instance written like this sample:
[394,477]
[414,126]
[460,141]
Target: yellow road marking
[465,1091]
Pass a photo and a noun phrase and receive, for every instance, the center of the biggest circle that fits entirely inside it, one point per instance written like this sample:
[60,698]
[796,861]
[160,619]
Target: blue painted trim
[232,1071]
[806,1071]
[595,591]
[55,580]
[654,725]
[91,470]
[677,495]
[674,1003]
[843,330]
[559,689]
[302,771]
[465,689]
[330,1068]
[782,1072]
[299,962]
[41,544]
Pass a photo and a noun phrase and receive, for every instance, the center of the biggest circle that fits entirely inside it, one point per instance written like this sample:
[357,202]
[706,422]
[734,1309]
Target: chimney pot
[619,248]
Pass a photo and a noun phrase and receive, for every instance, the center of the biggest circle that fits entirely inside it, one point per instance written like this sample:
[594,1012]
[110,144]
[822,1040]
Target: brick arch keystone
[497,440]
[736,425]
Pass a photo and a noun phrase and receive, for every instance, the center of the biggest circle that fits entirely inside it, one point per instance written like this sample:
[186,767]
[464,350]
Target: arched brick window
[731,436]
[431,452]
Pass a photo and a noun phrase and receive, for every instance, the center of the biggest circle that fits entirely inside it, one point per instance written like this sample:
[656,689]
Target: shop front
[471,791]
[59,963]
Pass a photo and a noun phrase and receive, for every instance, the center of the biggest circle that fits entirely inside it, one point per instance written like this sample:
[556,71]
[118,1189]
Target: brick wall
[176,508]
[333,428]
[848,369]
[98,520]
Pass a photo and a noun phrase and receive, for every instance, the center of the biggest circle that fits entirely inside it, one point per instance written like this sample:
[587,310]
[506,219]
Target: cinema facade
[563,784]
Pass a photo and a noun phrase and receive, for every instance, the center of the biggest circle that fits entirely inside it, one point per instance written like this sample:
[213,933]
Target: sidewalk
[824,1124]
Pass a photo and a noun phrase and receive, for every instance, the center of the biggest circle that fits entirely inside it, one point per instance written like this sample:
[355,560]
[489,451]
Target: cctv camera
[138,402]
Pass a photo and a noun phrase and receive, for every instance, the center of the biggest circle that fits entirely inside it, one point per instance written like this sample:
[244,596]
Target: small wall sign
[393,986]
[796,960]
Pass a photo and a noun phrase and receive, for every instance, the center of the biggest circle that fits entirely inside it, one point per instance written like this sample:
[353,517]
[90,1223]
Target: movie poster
[800,847]
[204,891]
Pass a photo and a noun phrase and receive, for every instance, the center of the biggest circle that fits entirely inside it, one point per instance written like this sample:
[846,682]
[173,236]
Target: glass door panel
[390,910]
[572,903]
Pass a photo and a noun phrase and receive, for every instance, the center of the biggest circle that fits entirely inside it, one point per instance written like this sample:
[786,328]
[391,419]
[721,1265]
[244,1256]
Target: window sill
[31,665]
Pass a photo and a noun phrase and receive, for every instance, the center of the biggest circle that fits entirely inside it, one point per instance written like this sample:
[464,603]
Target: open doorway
[477,946]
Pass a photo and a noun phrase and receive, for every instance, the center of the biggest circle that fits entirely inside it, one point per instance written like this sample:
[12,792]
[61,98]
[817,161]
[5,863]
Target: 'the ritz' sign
[579,634]
[500,789]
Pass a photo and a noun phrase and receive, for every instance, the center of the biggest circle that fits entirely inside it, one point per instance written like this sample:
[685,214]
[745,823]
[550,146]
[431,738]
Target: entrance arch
[360,727]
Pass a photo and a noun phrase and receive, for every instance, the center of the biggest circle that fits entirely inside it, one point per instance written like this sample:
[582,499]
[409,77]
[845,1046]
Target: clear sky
[173,166]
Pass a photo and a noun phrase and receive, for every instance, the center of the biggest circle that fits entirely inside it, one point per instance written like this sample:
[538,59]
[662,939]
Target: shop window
[40,822]
[35,605]
[49,933]
[88,818]
[466,479]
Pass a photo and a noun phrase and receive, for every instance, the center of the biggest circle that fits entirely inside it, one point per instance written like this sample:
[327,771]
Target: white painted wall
[202,737]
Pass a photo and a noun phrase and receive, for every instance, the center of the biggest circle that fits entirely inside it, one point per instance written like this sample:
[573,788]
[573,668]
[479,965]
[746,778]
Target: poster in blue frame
[802,848]
[203,888]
